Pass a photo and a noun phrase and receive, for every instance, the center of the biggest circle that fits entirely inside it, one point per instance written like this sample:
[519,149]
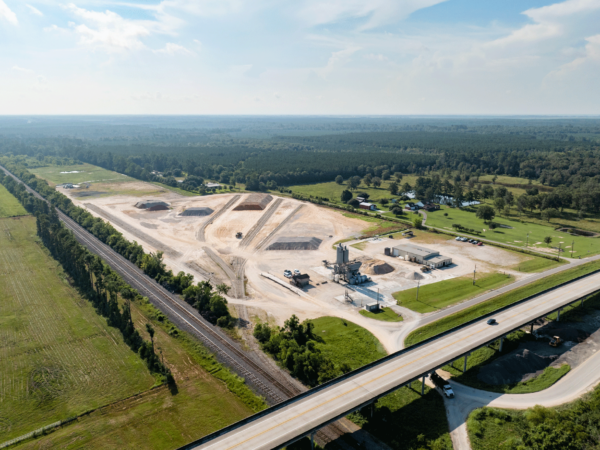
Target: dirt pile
[514,368]
[254,202]
[414,276]
[295,243]
[375,267]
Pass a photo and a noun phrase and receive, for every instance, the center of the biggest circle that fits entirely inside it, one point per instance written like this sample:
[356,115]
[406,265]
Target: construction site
[250,242]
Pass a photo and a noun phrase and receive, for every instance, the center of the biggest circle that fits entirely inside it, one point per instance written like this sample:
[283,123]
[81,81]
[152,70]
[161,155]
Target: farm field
[9,205]
[433,297]
[517,233]
[58,357]
[346,342]
[163,419]
[84,173]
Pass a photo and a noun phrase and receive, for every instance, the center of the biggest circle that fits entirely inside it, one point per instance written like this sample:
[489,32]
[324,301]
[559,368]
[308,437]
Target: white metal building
[421,255]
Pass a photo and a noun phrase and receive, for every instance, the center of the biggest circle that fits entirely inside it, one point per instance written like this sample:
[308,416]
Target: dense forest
[288,151]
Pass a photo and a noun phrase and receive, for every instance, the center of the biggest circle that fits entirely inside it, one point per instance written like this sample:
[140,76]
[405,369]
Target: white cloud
[174,49]
[108,30]
[337,59]
[7,14]
[23,70]
[202,7]
[34,10]
[375,12]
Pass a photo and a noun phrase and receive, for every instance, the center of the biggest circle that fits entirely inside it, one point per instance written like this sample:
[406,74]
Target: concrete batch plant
[347,270]
[420,255]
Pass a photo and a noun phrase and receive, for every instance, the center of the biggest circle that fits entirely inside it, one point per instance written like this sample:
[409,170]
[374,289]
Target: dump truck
[555,341]
[442,384]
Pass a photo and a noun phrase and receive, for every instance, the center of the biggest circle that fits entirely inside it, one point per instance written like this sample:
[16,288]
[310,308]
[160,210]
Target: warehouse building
[369,206]
[421,255]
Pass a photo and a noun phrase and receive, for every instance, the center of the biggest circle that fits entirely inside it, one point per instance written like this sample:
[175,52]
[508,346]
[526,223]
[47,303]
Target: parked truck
[442,384]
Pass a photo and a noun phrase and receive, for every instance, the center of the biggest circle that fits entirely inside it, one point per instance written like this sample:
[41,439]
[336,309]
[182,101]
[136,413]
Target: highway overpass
[303,415]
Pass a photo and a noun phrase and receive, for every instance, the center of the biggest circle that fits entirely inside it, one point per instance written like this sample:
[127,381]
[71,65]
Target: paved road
[306,414]
[572,386]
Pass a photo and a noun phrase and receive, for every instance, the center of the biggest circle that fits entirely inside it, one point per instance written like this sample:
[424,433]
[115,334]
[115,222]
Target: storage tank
[337,278]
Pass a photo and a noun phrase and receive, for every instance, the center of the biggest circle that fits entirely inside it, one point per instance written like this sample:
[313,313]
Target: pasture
[78,173]
[9,205]
[58,358]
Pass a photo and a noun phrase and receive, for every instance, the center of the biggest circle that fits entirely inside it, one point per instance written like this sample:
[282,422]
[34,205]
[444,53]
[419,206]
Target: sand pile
[254,202]
[514,367]
[376,267]
[414,276]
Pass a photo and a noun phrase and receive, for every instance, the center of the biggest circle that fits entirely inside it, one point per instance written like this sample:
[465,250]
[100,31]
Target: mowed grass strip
[384,314]
[461,317]
[347,342]
[80,173]
[435,296]
[58,357]
[537,264]
[9,205]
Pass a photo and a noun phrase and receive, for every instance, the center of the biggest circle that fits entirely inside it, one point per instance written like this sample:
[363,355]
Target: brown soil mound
[376,267]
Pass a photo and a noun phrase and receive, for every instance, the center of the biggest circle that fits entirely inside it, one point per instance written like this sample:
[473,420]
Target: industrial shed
[152,205]
[421,255]
[254,202]
[295,243]
[369,206]
[197,212]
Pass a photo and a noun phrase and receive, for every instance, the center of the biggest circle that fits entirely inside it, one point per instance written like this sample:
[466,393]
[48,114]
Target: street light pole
[418,282]
[572,245]
[474,271]
[527,244]
[558,252]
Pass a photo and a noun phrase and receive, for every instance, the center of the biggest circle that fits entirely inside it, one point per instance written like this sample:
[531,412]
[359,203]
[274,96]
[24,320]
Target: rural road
[572,386]
[303,415]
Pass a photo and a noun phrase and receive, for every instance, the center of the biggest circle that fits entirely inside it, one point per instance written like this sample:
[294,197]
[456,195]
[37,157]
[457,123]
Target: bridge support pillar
[423,386]
[312,441]
[581,304]
[465,364]
[531,330]
[558,316]
[501,344]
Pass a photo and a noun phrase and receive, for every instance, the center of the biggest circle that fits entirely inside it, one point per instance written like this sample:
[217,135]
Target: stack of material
[414,276]
[254,202]
[295,243]
[199,211]
[376,267]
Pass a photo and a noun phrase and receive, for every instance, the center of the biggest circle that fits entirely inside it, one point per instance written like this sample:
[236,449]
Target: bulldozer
[555,341]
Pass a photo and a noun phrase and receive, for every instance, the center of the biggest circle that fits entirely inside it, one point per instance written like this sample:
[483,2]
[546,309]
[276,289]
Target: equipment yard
[236,246]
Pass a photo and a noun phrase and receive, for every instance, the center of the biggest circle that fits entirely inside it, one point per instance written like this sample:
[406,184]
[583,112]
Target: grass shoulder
[384,314]
[436,296]
[498,302]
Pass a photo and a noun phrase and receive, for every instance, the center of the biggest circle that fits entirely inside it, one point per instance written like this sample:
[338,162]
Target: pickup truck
[442,384]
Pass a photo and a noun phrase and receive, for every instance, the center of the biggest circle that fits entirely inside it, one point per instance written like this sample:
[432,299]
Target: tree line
[96,281]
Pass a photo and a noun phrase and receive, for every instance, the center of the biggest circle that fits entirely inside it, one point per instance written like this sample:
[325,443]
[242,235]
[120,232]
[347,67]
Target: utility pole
[418,282]
[572,245]
[474,270]
[558,252]
[527,244]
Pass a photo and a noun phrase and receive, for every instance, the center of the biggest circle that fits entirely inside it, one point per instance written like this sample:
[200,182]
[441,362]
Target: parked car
[287,273]
[480,243]
[475,242]
[492,322]
[296,272]
[458,238]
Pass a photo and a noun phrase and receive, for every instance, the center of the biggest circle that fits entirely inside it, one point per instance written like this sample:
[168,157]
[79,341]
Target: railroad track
[260,223]
[180,313]
[236,275]
[200,233]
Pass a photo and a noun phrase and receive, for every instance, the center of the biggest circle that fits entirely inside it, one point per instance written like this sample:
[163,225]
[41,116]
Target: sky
[272,57]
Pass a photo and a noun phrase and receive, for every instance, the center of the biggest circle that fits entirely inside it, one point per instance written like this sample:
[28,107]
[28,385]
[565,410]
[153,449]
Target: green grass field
[9,205]
[377,227]
[384,314]
[448,292]
[517,235]
[537,264]
[346,342]
[86,173]
[500,301]
[58,357]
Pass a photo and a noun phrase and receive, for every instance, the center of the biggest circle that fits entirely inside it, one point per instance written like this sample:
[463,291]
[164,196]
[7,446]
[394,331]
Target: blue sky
[300,57]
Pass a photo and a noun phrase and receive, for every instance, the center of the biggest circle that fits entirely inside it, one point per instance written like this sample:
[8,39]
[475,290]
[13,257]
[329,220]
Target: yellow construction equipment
[555,341]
